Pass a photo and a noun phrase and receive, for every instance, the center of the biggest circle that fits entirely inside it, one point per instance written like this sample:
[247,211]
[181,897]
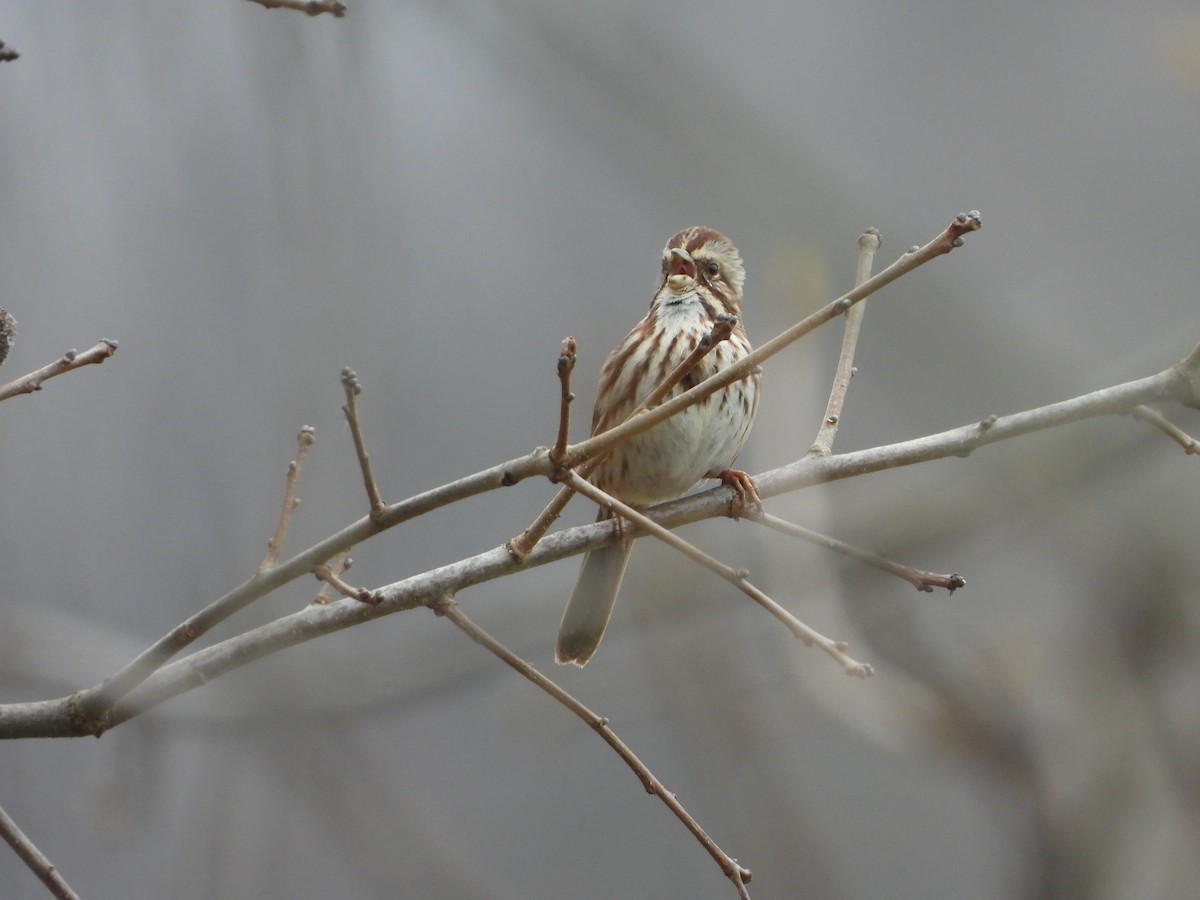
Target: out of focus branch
[37,861]
[310,7]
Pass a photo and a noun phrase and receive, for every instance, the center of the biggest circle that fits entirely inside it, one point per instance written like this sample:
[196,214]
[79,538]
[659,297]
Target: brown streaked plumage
[702,278]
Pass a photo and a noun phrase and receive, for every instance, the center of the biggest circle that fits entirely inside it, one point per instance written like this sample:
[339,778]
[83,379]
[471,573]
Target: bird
[702,279]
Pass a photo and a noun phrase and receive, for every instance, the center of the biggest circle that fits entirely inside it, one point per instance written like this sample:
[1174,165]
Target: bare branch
[353,389]
[37,861]
[89,708]
[305,439]
[868,244]
[68,362]
[449,609]
[566,365]
[921,580]
[93,710]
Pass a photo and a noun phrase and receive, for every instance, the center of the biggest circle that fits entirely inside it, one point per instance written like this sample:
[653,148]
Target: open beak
[681,271]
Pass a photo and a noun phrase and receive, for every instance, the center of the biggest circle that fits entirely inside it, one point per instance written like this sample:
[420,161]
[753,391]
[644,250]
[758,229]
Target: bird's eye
[713,270]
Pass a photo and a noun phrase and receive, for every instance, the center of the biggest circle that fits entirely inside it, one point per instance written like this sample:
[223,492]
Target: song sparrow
[702,278]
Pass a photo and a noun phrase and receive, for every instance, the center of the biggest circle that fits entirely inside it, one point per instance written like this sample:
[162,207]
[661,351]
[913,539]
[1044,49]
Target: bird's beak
[681,271]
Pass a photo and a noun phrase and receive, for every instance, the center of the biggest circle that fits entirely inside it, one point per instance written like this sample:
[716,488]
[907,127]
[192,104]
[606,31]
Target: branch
[449,609]
[353,389]
[335,567]
[305,439]
[566,365]
[68,362]
[89,708]
[868,244]
[921,580]
[38,863]
[75,715]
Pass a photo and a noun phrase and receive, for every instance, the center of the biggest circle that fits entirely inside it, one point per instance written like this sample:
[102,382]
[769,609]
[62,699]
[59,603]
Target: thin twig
[448,608]
[305,439]
[738,578]
[37,861]
[68,362]
[868,244]
[522,545]
[918,578]
[353,388]
[1152,416]
[566,365]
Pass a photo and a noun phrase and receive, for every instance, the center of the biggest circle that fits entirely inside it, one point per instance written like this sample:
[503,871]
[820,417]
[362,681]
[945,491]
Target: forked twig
[339,564]
[1153,417]
[305,440]
[449,609]
[333,578]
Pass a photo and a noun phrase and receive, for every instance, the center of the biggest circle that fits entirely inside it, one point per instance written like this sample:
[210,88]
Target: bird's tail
[591,603]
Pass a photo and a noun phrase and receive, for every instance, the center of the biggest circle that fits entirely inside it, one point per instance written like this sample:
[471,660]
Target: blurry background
[435,194]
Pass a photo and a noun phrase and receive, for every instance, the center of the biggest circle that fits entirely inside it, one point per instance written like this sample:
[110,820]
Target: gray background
[435,194]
